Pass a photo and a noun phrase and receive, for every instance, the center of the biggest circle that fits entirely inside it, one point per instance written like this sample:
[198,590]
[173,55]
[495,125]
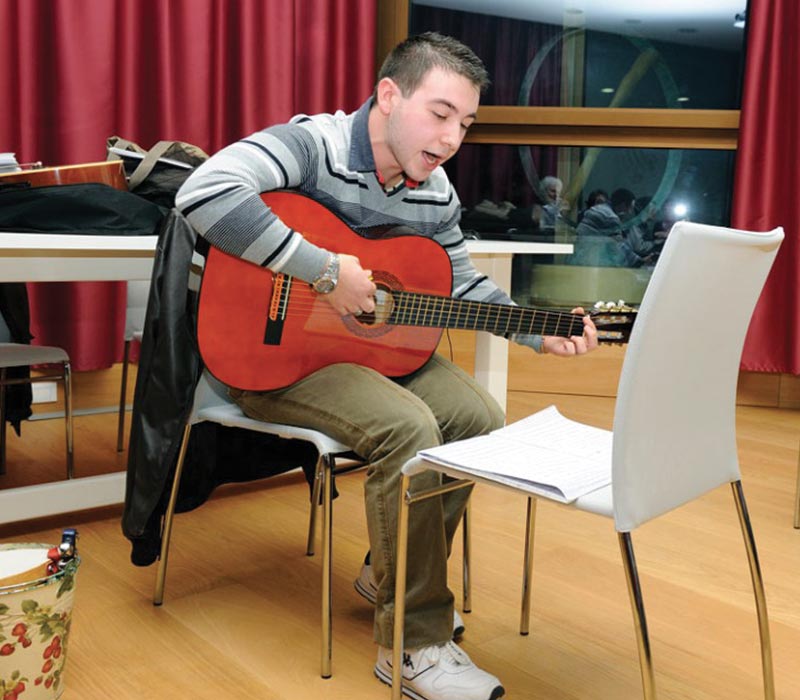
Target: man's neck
[389,170]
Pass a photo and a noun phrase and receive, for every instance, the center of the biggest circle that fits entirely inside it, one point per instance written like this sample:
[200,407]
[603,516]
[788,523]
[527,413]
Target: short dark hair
[622,197]
[409,62]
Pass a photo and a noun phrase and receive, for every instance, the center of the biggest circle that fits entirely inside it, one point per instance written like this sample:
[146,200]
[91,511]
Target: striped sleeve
[221,199]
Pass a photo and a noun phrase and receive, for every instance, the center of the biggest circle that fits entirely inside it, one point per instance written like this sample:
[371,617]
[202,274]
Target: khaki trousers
[386,421]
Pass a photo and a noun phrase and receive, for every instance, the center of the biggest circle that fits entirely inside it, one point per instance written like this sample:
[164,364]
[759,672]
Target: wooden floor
[241,617]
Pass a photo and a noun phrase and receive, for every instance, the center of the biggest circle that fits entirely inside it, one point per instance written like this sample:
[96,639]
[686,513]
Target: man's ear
[386,93]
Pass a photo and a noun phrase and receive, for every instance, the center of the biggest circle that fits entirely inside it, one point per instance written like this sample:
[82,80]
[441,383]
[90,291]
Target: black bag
[88,208]
[156,174]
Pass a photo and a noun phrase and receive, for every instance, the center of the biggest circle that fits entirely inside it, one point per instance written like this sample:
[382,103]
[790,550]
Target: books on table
[545,453]
[8,163]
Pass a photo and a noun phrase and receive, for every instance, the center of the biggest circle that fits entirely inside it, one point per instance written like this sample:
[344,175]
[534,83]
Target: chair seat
[20,355]
[232,416]
[600,502]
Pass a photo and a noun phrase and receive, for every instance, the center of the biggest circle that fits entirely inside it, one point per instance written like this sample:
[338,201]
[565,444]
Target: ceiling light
[739,20]
[607,91]
[682,99]
[680,210]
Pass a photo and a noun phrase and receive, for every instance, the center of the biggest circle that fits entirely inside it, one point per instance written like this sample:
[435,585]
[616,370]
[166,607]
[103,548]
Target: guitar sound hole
[374,323]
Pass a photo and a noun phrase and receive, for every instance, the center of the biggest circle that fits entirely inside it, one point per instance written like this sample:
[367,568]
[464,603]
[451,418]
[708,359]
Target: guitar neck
[425,310]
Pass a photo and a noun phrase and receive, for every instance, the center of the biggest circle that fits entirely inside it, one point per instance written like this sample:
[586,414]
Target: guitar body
[261,331]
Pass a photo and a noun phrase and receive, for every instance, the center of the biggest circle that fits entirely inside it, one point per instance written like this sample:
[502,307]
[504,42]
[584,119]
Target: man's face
[426,128]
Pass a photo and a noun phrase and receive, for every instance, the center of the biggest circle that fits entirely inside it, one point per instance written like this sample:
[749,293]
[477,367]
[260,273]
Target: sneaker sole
[380,674]
[386,679]
[364,592]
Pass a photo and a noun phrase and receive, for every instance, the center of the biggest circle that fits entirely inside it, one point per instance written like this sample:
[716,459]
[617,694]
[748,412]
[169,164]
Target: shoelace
[449,652]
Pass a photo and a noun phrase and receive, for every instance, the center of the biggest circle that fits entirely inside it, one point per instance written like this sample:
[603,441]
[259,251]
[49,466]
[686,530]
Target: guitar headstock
[614,320]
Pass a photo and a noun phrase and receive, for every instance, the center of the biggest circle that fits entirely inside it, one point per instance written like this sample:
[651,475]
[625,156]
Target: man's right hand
[355,290]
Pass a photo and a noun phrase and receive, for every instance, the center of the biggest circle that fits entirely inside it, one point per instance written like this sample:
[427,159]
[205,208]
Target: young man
[380,165]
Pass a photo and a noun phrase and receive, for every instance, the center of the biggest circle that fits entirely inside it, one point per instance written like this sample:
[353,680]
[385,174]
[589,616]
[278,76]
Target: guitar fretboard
[411,309]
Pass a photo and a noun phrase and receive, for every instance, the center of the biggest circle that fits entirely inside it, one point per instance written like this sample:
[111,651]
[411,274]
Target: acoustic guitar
[110,173]
[259,330]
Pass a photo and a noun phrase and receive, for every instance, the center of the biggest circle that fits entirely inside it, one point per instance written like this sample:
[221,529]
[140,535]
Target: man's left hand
[576,344]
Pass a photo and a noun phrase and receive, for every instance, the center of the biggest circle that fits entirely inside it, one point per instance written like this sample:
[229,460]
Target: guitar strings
[426,310]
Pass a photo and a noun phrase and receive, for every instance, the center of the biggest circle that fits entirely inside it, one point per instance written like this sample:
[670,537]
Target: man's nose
[451,136]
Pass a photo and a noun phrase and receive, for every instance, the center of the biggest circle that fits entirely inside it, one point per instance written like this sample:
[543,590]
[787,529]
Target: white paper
[547,453]
[8,163]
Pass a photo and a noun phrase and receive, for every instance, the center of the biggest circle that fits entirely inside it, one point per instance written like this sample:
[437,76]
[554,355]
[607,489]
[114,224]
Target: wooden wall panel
[597,374]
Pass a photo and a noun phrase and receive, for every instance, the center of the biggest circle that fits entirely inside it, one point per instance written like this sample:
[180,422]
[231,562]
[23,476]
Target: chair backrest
[674,423]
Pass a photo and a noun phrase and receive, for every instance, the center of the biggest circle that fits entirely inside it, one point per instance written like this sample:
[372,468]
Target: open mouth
[430,158]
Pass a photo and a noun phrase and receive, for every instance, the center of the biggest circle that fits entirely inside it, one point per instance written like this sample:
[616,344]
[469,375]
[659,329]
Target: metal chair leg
[123,390]
[400,590]
[316,488]
[527,573]
[640,621]
[327,530]
[466,574]
[166,532]
[401,568]
[69,427]
[758,590]
[796,495]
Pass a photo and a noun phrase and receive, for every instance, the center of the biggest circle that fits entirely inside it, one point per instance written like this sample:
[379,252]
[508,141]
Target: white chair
[135,311]
[674,435]
[21,355]
[212,403]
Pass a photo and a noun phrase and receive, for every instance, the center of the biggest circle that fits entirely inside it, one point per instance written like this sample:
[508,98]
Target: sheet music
[552,455]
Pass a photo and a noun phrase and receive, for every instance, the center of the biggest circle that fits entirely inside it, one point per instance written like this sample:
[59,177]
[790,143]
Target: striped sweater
[329,158]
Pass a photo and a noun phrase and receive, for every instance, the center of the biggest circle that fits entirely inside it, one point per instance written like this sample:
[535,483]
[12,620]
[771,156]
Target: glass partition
[614,205]
[599,53]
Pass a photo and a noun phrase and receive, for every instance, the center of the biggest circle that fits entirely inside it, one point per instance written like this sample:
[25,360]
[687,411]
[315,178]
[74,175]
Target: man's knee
[473,418]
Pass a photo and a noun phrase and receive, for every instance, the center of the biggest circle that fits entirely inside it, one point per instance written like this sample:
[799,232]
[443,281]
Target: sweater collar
[362,159]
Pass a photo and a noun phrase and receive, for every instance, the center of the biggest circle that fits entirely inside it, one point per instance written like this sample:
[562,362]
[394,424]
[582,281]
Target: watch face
[324,286]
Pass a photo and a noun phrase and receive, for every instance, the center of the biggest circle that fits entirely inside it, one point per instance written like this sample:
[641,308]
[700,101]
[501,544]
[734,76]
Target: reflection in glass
[615,205]
[540,54]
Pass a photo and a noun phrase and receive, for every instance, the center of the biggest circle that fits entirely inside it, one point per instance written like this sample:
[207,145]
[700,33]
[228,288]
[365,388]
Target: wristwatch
[326,282]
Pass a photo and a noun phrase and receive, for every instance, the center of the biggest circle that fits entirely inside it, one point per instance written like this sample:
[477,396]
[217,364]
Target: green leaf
[29,606]
[66,585]
[3,608]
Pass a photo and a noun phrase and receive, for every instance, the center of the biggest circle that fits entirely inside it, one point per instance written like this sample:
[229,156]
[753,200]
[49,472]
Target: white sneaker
[367,588]
[442,672]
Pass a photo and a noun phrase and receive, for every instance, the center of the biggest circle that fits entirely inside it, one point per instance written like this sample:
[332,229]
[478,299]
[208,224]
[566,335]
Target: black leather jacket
[169,368]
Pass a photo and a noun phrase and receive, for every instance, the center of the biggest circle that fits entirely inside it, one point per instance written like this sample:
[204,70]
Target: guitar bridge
[278,304]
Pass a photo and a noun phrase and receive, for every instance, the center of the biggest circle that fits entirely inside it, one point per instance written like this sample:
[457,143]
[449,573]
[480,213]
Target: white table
[44,257]
[35,257]
[39,257]
[493,258]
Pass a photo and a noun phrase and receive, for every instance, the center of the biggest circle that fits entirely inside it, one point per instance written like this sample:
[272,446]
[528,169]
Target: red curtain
[203,71]
[767,179]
